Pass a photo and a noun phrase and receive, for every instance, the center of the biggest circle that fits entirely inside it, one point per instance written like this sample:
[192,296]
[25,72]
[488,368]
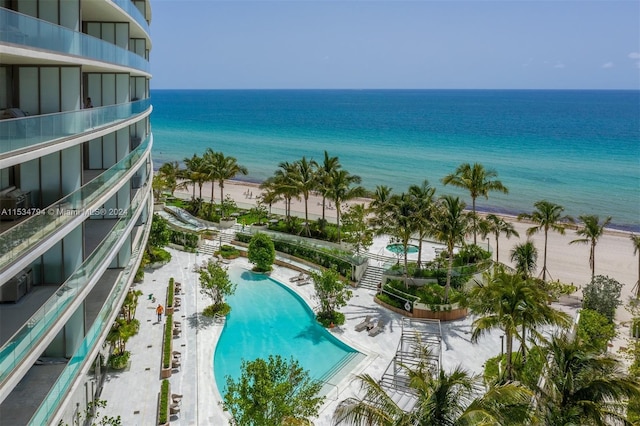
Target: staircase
[372,277]
[211,246]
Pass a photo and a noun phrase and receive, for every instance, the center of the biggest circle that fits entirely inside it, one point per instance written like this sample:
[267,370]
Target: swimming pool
[267,318]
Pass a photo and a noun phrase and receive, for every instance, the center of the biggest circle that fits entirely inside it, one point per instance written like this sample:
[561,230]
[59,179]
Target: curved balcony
[92,337]
[28,132]
[29,234]
[64,302]
[134,12]
[31,32]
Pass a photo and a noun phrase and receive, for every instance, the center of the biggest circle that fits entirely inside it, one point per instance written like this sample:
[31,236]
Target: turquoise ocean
[580,149]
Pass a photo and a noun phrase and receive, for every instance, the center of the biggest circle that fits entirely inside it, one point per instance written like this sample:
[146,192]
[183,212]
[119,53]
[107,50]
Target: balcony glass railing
[28,132]
[24,340]
[71,371]
[22,238]
[134,12]
[32,32]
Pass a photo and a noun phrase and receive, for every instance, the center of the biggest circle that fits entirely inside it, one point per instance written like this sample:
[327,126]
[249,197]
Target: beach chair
[304,282]
[366,323]
[176,398]
[174,410]
[298,277]
[377,329]
[176,331]
[175,364]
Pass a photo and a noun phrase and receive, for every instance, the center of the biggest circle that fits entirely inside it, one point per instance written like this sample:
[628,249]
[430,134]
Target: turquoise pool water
[399,249]
[266,319]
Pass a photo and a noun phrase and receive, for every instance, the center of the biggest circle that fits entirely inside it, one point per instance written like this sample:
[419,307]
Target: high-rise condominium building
[75,194]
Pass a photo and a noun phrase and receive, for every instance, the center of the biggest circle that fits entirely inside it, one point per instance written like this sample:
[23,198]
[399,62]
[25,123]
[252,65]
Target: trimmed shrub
[163,414]
[170,291]
[168,335]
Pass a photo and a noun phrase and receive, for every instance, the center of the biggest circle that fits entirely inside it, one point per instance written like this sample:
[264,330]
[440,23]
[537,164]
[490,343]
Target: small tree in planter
[215,284]
[261,252]
[260,212]
[120,333]
[356,230]
[333,293]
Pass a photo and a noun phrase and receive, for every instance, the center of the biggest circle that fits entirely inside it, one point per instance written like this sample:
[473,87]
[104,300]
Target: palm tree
[496,225]
[478,181]
[635,239]
[506,301]
[171,173]
[444,399]
[283,184]
[210,160]
[591,230]
[305,180]
[341,190]
[450,227]
[525,257]
[547,216]
[379,206]
[402,225]
[196,172]
[582,386]
[226,168]
[423,199]
[325,171]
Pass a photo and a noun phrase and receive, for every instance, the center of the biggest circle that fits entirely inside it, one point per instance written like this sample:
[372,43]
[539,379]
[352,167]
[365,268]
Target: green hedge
[182,238]
[170,291]
[168,335]
[308,253]
[163,413]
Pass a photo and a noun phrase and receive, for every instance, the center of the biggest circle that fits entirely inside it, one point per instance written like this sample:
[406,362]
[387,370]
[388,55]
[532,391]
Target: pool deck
[133,393]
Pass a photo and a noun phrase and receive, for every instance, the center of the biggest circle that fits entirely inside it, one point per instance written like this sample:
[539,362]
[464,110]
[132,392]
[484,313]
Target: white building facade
[75,194]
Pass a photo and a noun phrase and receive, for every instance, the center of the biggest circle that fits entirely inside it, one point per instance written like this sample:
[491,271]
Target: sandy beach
[566,262]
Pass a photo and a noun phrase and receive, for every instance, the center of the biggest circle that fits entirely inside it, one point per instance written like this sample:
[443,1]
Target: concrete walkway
[133,393]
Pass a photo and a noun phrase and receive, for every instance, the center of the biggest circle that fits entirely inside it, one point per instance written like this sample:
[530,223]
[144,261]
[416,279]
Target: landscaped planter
[444,313]
[227,223]
[259,227]
[165,406]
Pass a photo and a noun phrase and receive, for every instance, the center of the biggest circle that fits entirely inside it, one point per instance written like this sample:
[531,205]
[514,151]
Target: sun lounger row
[370,325]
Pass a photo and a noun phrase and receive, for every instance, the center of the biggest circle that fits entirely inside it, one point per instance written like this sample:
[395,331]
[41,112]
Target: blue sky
[455,44]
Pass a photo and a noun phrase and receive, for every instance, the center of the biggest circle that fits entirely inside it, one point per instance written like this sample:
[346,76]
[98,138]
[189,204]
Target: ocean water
[580,149]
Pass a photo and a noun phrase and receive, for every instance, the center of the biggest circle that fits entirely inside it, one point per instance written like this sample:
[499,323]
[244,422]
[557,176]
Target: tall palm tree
[478,181]
[423,200]
[635,240]
[525,257]
[441,399]
[591,230]
[305,180]
[211,160]
[226,168]
[325,171]
[450,227]
[402,214]
[196,172]
[507,301]
[583,387]
[547,216]
[282,185]
[496,225]
[342,189]
[379,206]
[171,173]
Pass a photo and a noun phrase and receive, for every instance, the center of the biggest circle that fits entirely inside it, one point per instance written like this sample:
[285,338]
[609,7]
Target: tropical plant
[423,215]
[591,230]
[440,399]
[225,167]
[493,224]
[215,284]
[356,231]
[271,392]
[582,386]
[635,240]
[325,172]
[196,172]
[93,417]
[171,174]
[525,257]
[402,212]
[379,206]
[595,330]
[602,294]
[160,234]
[305,180]
[332,292]
[341,189]
[547,216]
[507,301]
[478,181]
[450,227]
[261,252]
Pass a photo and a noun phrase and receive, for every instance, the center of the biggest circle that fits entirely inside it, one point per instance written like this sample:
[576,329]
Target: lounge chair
[176,354]
[174,410]
[176,397]
[304,282]
[176,331]
[377,329]
[175,364]
[365,324]
[299,277]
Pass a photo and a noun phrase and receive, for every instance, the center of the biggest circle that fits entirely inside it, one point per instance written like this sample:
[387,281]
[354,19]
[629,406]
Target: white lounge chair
[366,323]
[304,282]
[377,329]
[299,277]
